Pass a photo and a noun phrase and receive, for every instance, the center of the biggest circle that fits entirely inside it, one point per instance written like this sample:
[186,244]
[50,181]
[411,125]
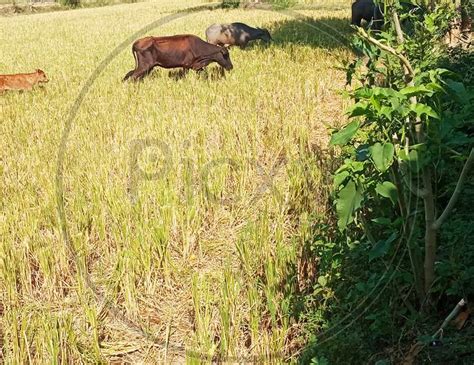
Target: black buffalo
[235,34]
[373,13]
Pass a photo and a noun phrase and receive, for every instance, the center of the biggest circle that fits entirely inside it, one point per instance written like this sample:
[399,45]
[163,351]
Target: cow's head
[41,76]
[223,59]
[265,35]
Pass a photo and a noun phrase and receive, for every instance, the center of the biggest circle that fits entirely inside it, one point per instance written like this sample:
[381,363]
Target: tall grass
[201,255]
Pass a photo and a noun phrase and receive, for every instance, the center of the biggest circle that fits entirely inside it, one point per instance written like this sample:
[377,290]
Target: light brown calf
[22,81]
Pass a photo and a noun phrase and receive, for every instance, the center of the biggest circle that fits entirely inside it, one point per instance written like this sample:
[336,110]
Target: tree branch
[398,28]
[388,49]
[450,317]
[457,191]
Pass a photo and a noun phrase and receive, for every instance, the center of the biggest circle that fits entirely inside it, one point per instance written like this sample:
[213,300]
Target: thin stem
[420,193]
[457,192]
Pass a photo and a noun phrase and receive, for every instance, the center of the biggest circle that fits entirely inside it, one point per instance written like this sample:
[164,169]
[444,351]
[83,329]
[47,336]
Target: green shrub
[70,3]
[230,4]
[278,4]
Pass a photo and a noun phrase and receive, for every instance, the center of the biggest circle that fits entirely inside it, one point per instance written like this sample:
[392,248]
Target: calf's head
[41,76]
[223,59]
[265,35]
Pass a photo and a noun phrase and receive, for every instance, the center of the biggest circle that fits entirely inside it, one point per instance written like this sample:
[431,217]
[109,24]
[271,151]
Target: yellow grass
[201,254]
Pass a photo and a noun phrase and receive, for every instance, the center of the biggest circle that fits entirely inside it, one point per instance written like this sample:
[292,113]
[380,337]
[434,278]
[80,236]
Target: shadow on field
[177,74]
[210,73]
[328,33]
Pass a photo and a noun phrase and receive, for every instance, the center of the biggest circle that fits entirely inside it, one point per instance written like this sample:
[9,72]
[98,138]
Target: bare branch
[450,317]
[398,28]
[457,191]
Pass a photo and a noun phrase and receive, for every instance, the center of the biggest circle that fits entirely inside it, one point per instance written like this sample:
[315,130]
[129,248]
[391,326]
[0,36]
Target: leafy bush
[278,4]
[230,3]
[70,3]
[405,153]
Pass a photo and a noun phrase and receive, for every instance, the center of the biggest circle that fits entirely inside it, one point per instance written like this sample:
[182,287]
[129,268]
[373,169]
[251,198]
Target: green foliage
[277,4]
[345,134]
[387,190]
[282,4]
[382,247]
[70,3]
[382,155]
[230,4]
[400,126]
[349,201]
[379,144]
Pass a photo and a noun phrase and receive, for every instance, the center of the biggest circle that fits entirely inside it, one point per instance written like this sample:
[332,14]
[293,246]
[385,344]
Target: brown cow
[186,51]
[22,81]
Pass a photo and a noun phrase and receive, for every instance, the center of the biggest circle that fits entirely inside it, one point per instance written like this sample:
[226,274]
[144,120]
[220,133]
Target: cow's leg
[145,65]
[130,73]
[199,66]
[242,44]
[141,73]
[127,76]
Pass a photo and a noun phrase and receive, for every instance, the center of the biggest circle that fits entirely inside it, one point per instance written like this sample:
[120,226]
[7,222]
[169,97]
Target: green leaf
[387,190]
[382,220]
[388,93]
[386,112]
[435,87]
[421,109]
[459,90]
[414,160]
[345,134]
[363,93]
[339,178]
[382,155]
[357,109]
[322,280]
[382,247]
[356,166]
[348,201]
[376,103]
[403,111]
[416,90]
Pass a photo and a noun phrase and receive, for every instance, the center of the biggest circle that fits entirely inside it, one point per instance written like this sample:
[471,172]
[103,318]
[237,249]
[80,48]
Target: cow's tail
[135,56]
[130,73]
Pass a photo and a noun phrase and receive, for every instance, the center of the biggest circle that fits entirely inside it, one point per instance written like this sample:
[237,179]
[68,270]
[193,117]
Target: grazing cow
[373,13]
[186,51]
[22,81]
[235,34]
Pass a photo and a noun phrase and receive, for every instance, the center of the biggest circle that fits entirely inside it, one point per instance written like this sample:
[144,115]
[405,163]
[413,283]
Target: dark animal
[186,51]
[373,13]
[235,34]
[367,10]
[22,81]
